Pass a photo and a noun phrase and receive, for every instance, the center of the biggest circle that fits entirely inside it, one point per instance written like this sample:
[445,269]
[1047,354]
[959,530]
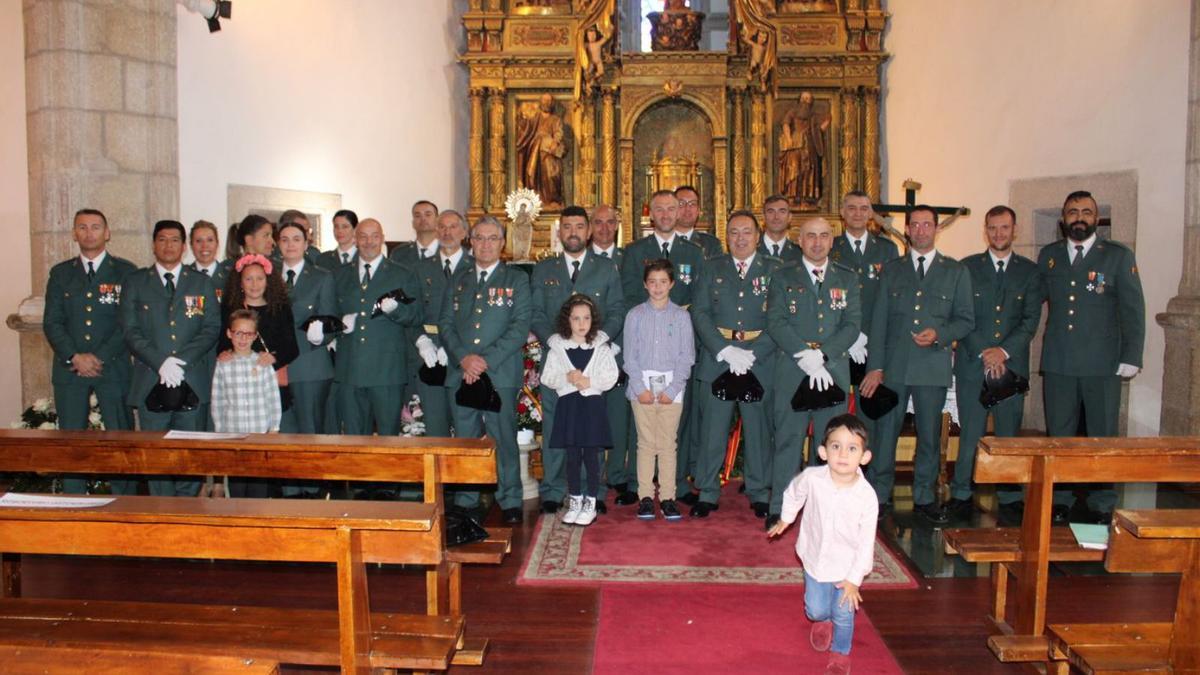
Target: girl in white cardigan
[580,366]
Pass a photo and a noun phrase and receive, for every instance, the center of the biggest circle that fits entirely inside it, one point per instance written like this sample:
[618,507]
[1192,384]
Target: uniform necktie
[1000,268]
[366,273]
[858,246]
[483,277]
[775,248]
[920,267]
[819,276]
[424,253]
[206,271]
[1078,256]
[345,258]
[603,254]
[666,250]
[575,271]
[741,267]
[291,279]
[170,277]
[446,268]
[91,271]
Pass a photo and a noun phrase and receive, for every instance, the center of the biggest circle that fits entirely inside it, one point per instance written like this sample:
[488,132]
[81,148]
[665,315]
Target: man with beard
[554,280]
[689,215]
[1008,306]
[1095,331]
[777,218]
[924,305]
[424,222]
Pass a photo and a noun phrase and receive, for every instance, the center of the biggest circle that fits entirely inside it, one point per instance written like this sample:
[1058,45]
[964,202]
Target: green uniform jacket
[219,276]
[725,300]
[686,256]
[1097,314]
[373,355]
[598,279]
[407,253]
[157,325]
[491,321]
[82,317]
[707,243]
[798,317]
[791,253]
[868,266]
[332,260]
[905,305]
[312,294]
[1005,317]
[433,290]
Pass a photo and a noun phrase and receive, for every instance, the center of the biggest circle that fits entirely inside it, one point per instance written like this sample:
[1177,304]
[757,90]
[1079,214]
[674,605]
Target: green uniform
[730,309]
[409,253]
[490,319]
[219,276]
[371,368]
[81,317]
[707,242]
[310,374]
[800,316]
[906,305]
[789,252]
[1095,321]
[436,400]
[158,324]
[332,260]
[550,287]
[1008,307]
[621,466]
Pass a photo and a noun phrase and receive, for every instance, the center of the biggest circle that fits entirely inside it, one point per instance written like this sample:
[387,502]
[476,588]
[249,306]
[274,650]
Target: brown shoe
[839,664]
[821,636]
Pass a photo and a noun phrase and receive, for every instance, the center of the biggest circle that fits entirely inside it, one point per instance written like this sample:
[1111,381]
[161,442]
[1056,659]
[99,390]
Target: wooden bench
[1042,463]
[71,660]
[348,534]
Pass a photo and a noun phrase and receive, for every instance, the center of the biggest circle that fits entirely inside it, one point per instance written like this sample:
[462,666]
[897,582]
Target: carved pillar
[1181,322]
[739,149]
[585,174]
[608,121]
[758,147]
[630,212]
[496,175]
[849,140]
[475,151]
[720,192]
[870,144]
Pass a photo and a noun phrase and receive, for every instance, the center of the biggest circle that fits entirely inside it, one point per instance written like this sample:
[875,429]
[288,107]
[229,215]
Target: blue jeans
[822,602]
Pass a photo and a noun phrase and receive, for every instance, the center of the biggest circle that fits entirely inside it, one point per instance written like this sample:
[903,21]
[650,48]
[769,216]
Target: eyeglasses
[689,202]
[244,335]
[494,239]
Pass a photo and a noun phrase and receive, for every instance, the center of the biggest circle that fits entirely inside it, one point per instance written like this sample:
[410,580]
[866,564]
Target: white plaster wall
[14,202]
[981,93]
[358,97]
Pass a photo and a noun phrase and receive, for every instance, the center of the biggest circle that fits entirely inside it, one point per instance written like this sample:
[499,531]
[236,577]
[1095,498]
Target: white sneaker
[588,513]
[571,515]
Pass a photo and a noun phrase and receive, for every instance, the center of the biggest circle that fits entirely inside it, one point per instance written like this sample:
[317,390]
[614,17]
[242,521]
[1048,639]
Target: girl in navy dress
[580,366]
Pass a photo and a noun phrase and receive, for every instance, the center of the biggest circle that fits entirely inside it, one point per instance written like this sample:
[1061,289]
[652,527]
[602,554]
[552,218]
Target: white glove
[348,321]
[315,333]
[170,372]
[820,379]
[809,360]
[740,360]
[442,359]
[1125,370]
[616,348]
[427,350]
[388,305]
[858,350]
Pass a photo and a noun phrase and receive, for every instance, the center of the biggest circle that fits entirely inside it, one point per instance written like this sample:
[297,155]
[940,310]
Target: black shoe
[1060,514]
[959,508]
[772,520]
[669,510]
[626,498]
[551,506]
[619,487]
[512,516]
[702,509]
[690,498]
[760,509]
[1012,513]
[646,509]
[932,513]
[600,507]
[742,488]
[1099,517]
[885,509]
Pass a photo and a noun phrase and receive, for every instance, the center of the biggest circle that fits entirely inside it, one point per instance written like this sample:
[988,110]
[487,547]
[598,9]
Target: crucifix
[910,200]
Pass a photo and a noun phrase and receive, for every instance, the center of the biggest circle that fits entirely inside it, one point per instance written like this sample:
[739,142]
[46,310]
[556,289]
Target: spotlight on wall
[212,11]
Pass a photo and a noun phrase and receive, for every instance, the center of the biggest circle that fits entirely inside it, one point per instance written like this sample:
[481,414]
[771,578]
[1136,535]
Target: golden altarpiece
[559,106]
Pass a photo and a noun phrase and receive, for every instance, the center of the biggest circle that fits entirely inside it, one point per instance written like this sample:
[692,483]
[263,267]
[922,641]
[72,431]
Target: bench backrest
[1082,460]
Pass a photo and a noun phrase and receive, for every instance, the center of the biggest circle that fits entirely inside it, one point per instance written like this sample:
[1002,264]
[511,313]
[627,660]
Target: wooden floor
[935,628]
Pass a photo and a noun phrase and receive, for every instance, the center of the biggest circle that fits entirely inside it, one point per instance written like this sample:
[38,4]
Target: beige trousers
[657,427]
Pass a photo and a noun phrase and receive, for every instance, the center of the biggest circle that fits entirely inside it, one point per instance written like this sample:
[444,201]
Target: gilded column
[476,150]
[720,192]
[629,211]
[608,121]
[871,143]
[585,174]
[849,140]
[496,160]
[758,148]
[739,149]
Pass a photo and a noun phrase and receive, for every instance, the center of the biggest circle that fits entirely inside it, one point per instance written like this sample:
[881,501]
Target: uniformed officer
[688,216]
[371,368]
[1095,332]
[435,274]
[171,319]
[574,271]
[924,305]
[310,293]
[254,234]
[688,260]
[424,222]
[777,218]
[311,253]
[729,318]
[205,242]
[346,251]
[83,328]
[484,325]
[1008,306]
[814,311]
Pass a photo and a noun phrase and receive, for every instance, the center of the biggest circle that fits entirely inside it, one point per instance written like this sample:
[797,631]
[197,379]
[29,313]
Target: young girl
[579,367]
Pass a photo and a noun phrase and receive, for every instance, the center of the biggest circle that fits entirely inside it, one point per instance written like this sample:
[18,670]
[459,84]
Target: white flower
[93,401]
[94,418]
[42,405]
[48,425]
[17,425]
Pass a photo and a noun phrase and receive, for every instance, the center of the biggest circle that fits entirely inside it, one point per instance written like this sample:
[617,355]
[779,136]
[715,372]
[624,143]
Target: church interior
[141,109]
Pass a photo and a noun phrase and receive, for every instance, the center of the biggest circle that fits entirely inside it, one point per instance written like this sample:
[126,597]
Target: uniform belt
[730,334]
[813,345]
[431,328]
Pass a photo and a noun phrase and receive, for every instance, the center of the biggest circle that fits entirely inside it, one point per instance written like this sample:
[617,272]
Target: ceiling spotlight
[212,11]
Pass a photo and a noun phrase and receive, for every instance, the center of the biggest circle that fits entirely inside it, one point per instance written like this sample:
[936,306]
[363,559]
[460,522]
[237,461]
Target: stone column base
[1181,367]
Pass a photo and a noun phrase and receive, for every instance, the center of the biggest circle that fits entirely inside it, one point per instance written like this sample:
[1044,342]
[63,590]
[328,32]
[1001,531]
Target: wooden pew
[1041,463]
[1144,541]
[348,534]
[70,661]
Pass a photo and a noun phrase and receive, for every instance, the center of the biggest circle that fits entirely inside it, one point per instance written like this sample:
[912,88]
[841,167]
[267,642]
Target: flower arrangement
[41,415]
[529,404]
[412,418]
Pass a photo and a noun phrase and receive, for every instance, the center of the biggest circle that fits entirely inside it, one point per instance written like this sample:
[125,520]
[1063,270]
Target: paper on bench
[203,435]
[1094,537]
[16,500]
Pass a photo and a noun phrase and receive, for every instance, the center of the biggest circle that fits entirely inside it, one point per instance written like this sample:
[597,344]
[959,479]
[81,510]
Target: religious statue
[756,30]
[522,207]
[540,150]
[800,176]
[676,28]
[594,33]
